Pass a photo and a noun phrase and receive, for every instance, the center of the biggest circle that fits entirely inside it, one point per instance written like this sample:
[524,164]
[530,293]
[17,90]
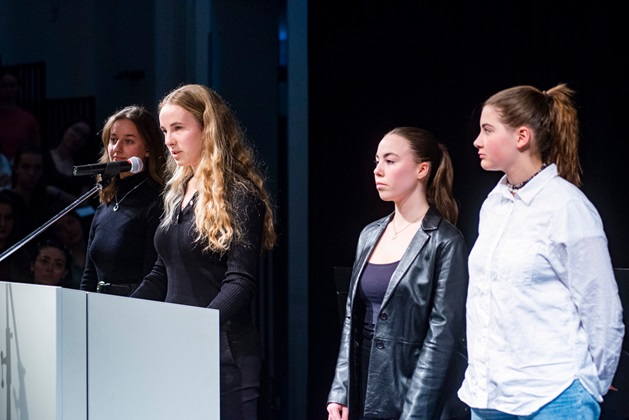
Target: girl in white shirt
[544,319]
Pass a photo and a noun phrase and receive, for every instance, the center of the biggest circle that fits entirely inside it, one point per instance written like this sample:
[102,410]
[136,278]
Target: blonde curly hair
[227,166]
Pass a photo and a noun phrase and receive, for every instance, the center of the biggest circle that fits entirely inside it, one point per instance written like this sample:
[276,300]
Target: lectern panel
[42,352]
[151,360]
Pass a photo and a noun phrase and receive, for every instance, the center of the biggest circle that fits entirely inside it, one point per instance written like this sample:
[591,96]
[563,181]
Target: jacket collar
[431,222]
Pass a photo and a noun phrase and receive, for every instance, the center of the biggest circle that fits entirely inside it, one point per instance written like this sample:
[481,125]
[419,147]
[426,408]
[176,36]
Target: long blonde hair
[227,166]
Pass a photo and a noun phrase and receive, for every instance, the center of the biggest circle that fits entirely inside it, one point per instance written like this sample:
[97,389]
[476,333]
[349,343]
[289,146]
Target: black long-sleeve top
[185,274]
[120,246]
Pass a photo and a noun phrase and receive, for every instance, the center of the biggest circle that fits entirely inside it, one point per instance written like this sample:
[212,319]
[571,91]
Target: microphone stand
[96,188]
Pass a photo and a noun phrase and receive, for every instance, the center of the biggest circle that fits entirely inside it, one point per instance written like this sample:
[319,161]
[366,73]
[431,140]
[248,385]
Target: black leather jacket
[418,349]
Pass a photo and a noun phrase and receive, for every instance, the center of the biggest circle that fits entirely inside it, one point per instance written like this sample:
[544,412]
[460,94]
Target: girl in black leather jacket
[401,354]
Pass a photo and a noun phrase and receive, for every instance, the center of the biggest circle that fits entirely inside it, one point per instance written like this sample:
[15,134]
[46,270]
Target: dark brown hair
[152,137]
[426,148]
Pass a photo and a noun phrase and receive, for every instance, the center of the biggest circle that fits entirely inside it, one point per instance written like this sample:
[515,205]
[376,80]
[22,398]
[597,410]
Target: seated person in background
[34,199]
[70,152]
[73,141]
[70,232]
[5,172]
[17,126]
[12,267]
[50,266]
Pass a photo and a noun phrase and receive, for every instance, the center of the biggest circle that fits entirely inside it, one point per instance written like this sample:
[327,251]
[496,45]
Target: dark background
[377,65]
[370,66]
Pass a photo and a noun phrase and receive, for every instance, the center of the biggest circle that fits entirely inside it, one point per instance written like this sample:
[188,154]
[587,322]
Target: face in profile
[396,172]
[50,266]
[496,142]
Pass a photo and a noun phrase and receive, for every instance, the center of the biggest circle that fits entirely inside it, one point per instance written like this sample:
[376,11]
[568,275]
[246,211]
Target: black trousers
[240,383]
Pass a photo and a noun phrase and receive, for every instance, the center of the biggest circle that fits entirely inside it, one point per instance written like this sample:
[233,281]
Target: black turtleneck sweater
[120,247]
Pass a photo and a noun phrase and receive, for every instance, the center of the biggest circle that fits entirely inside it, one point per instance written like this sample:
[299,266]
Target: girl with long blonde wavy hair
[227,163]
[217,221]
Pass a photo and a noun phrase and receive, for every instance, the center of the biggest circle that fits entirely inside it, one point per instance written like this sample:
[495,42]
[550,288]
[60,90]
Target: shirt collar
[531,189]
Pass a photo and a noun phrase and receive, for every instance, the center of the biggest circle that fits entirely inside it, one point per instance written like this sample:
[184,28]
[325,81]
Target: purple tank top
[372,287]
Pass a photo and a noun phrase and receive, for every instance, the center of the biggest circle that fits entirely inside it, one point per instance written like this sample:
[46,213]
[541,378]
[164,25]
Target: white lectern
[42,348]
[71,355]
[151,360]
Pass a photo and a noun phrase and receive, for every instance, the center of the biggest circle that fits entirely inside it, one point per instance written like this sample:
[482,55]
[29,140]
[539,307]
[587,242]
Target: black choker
[513,188]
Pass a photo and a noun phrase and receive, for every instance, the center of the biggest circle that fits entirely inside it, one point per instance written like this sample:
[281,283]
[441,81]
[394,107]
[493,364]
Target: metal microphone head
[136,164]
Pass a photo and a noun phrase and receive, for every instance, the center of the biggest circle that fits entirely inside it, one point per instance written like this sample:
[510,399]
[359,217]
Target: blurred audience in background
[17,126]
[5,172]
[70,230]
[72,150]
[34,198]
[50,265]
[36,184]
[13,267]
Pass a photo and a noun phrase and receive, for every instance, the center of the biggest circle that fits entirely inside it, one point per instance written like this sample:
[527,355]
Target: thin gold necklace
[405,227]
[117,206]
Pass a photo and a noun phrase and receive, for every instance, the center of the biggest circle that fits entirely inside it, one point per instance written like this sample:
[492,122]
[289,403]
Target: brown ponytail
[564,129]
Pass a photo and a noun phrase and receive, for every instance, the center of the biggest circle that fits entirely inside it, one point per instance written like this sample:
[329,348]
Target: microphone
[133,164]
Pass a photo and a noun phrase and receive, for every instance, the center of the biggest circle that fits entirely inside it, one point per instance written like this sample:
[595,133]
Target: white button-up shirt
[543,307]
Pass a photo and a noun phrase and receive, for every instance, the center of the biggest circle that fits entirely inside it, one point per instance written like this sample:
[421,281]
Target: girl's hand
[337,412]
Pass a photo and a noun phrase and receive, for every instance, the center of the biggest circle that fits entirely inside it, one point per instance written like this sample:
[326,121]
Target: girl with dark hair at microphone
[120,244]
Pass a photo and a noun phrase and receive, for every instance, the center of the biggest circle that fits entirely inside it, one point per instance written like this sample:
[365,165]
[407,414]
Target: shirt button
[384,317]
[379,344]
